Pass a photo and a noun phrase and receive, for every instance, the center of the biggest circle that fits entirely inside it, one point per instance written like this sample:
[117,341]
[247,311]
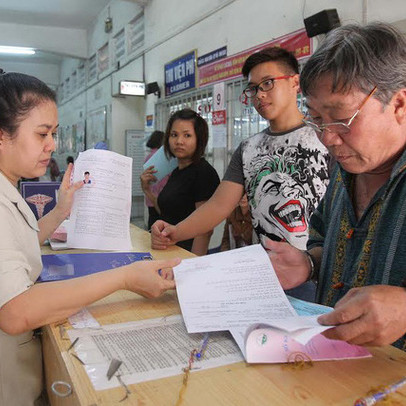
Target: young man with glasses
[355,85]
[283,169]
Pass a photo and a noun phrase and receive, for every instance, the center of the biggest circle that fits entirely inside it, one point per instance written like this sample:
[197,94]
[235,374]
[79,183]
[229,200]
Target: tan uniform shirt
[20,266]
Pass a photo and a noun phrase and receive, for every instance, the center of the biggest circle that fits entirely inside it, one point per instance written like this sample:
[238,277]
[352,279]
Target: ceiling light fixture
[16,50]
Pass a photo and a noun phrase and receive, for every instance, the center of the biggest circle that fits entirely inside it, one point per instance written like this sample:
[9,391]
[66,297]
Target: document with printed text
[100,216]
[230,289]
[149,349]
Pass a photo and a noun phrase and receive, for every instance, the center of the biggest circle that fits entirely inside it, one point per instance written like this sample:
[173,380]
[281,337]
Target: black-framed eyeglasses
[337,127]
[264,86]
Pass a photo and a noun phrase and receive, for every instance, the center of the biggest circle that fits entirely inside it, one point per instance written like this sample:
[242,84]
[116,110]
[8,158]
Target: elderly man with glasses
[355,85]
[283,169]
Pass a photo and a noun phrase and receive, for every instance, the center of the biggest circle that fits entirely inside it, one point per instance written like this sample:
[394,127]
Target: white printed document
[149,349]
[230,289]
[100,216]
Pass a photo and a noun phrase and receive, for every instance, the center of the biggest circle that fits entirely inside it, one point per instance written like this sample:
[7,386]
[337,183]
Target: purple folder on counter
[67,266]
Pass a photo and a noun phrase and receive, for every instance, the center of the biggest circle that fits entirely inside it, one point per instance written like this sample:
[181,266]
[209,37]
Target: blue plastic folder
[67,266]
[161,163]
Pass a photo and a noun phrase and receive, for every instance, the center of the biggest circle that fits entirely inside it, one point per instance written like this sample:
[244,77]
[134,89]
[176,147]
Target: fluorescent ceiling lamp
[16,50]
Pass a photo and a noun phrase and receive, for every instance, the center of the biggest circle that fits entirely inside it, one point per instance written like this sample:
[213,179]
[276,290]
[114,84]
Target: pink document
[267,346]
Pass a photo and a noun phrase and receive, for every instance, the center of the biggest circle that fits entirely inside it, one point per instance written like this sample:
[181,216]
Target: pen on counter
[379,395]
[203,346]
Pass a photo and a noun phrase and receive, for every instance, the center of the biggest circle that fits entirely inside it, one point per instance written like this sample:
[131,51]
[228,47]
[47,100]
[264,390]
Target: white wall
[122,114]
[65,41]
[127,114]
[48,73]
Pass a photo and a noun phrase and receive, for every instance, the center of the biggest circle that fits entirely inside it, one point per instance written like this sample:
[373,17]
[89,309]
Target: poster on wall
[119,46]
[61,135]
[96,127]
[78,136]
[64,139]
[180,74]
[68,139]
[219,129]
[219,117]
[135,33]
[92,68]
[103,59]
[81,76]
[228,68]
[134,148]
[149,122]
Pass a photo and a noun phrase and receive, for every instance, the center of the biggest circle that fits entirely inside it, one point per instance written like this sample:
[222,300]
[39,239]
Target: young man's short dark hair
[272,54]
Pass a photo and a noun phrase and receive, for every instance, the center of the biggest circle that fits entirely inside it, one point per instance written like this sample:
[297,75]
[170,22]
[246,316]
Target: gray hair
[360,57]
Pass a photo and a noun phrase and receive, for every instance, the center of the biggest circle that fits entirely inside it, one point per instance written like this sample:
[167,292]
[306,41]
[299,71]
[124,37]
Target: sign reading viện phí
[180,74]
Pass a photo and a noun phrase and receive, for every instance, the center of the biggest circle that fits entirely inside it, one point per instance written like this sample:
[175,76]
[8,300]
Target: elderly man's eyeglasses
[340,128]
[264,86]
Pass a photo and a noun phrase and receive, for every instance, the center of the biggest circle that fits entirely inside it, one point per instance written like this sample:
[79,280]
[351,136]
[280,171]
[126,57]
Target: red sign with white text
[219,117]
[297,42]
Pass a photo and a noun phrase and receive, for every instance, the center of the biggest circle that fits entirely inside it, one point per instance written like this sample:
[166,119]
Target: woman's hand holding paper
[145,279]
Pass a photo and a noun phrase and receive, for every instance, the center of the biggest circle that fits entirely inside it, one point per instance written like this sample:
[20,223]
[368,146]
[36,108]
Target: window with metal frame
[243,119]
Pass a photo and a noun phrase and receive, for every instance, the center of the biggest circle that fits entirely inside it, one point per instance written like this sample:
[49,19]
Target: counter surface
[325,383]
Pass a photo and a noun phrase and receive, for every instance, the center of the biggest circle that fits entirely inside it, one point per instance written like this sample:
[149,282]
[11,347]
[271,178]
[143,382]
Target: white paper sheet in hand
[100,216]
[161,164]
[230,289]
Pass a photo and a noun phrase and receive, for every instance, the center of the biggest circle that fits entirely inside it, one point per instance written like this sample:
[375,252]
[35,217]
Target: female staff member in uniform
[28,122]
[192,182]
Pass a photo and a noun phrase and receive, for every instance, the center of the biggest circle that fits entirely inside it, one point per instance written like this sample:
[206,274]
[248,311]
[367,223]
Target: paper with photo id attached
[100,215]
[162,165]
